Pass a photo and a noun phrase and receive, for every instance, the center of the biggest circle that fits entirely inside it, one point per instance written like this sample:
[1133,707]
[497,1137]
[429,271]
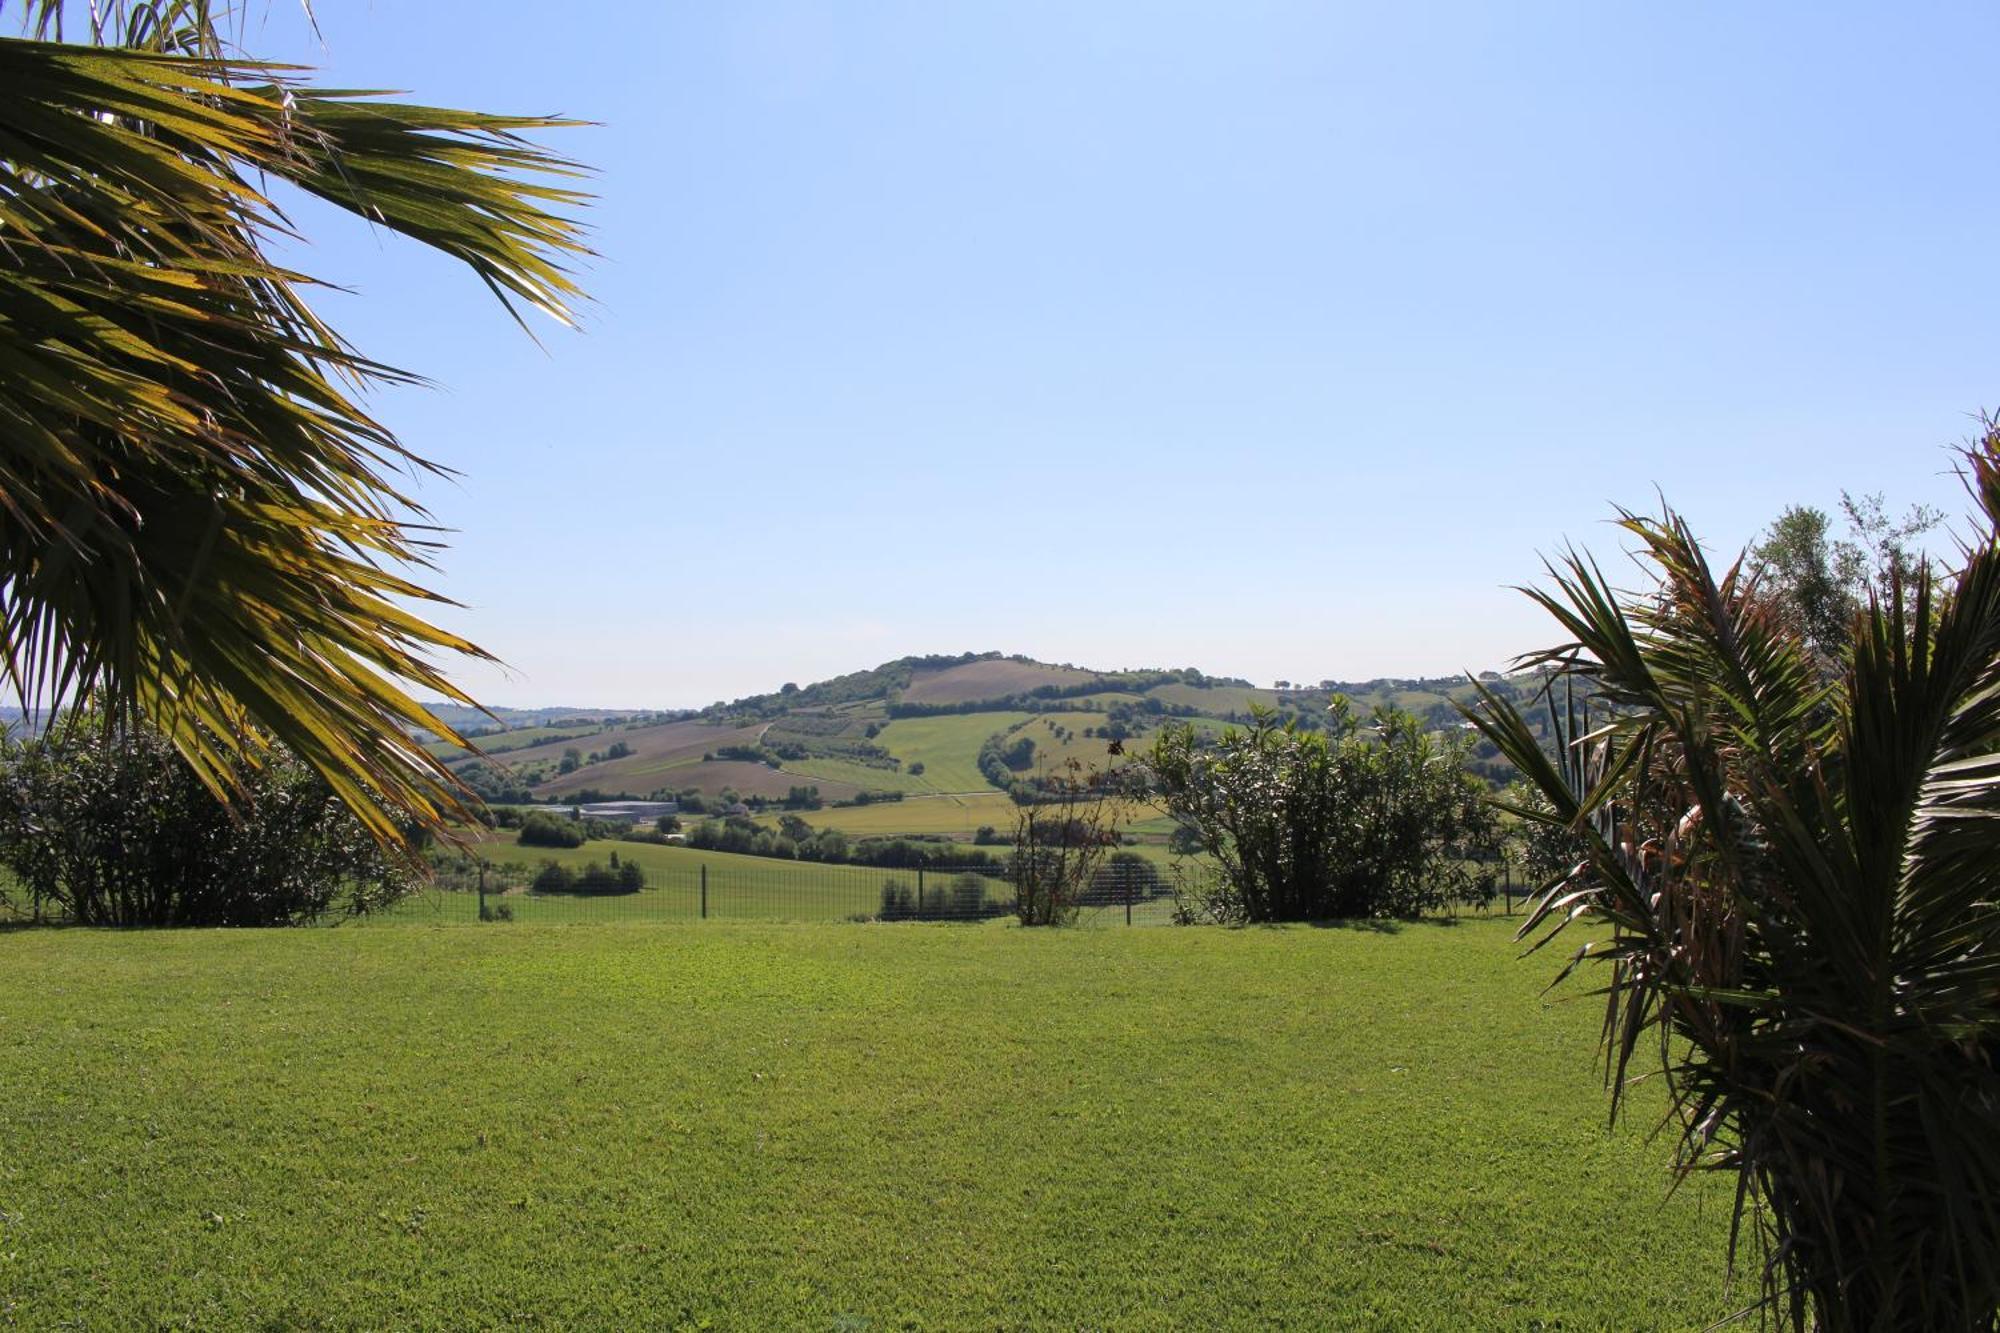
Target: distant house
[737,809]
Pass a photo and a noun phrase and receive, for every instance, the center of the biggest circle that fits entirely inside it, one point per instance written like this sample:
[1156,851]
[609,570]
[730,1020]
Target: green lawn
[834,1127]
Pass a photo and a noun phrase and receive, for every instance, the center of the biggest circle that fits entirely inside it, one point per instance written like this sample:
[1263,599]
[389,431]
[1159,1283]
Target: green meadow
[947,747]
[758,888]
[837,1127]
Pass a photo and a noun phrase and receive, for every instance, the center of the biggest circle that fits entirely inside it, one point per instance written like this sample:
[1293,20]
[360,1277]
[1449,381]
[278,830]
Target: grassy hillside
[1216,700]
[668,756]
[838,734]
[947,747]
[842,1127]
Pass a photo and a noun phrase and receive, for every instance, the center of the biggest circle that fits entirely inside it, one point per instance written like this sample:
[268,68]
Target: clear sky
[1271,339]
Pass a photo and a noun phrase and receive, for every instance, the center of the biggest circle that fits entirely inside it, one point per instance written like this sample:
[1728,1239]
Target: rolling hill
[912,746]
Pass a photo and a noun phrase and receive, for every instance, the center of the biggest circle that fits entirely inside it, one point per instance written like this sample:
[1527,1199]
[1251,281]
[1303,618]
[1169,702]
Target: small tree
[1058,843]
[968,896]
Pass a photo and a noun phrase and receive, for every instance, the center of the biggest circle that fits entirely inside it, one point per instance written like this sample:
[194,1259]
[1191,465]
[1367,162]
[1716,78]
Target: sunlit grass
[821,1126]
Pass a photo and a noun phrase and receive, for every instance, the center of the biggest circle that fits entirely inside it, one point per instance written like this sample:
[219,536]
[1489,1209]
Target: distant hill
[973,725]
[480,722]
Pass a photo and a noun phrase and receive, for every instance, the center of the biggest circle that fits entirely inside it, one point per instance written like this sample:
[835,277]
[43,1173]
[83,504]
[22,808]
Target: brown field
[744,777]
[987,680]
[667,740]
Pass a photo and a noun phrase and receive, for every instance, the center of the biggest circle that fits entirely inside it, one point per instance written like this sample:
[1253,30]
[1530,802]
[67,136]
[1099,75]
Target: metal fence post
[920,890]
[704,890]
[1127,877]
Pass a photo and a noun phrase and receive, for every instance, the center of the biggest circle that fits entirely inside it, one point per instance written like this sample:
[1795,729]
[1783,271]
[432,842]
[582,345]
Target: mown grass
[851,1127]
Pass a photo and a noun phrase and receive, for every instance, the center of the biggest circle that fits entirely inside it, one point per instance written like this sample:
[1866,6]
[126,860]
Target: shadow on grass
[1384,925]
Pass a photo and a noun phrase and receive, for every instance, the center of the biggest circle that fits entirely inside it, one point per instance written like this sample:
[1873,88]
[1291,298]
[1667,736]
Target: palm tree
[198,523]
[1791,894]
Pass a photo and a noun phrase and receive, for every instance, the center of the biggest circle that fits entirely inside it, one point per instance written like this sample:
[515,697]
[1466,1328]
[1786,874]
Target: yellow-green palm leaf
[197,522]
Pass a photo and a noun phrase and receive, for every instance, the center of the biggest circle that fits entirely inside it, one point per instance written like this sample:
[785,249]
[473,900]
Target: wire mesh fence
[735,888]
[596,884]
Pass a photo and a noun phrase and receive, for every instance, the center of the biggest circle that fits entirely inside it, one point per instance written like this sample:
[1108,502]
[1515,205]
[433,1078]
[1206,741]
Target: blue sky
[1272,339]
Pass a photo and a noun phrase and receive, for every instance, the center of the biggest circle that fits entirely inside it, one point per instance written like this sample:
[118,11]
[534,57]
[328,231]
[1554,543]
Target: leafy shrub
[899,900]
[554,877]
[967,896]
[962,899]
[1351,821]
[109,826]
[539,828]
[1058,844]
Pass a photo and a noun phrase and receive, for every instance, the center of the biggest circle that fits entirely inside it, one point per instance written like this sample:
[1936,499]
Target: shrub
[899,900]
[111,827]
[554,877]
[1351,821]
[539,828]
[967,896]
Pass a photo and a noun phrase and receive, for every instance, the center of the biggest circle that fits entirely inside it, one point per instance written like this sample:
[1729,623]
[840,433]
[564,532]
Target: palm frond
[198,521]
[1799,892]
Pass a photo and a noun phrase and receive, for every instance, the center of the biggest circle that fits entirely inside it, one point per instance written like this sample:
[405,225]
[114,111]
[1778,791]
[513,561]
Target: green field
[1216,698]
[838,1127]
[836,776]
[758,888]
[952,816]
[947,747]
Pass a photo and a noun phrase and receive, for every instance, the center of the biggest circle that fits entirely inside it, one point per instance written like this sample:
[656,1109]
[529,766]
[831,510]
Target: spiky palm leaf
[198,524]
[1798,890]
